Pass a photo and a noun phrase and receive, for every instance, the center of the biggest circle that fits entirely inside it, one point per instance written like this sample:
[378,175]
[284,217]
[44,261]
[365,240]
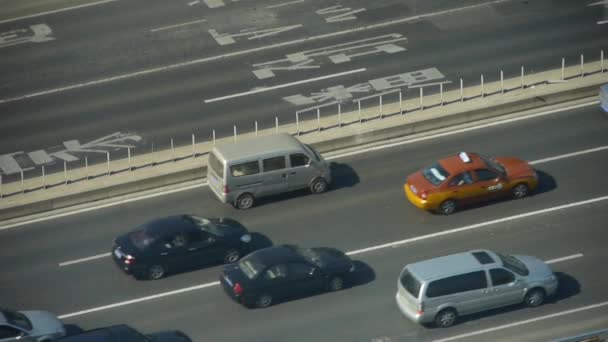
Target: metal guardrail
[592,336]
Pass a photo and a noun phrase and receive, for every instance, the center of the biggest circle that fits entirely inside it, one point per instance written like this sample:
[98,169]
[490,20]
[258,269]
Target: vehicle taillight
[130,260]
[423,195]
[226,189]
[238,289]
[420,310]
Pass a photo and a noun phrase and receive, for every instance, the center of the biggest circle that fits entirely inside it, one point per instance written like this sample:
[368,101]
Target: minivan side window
[274,163]
[298,159]
[456,284]
[245,169]
[500,276]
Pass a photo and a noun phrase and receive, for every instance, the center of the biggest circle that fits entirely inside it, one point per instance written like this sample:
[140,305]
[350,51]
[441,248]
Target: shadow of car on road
[72,329]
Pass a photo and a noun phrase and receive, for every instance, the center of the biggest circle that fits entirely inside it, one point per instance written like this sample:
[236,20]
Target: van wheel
[318,186]
[534,297]
[447,207]
[520,191]
[446,318]
[244,201]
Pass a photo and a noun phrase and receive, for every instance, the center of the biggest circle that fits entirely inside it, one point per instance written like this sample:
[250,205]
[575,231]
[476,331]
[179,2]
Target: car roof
[453,264]
[276,255]
[455,165]
[166,225]
[258,146]
[114,333]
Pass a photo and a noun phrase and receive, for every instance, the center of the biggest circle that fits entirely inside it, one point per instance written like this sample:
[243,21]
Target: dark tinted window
[245,169]
[142,238]
[273,164]
[17,319]
[299,270]
[461,179]
[500,276]
[435,174]
[8,332]
[512,263]
[483,258]
[485,175]
[276,272]
[411,284]
[298,159]
[456,284]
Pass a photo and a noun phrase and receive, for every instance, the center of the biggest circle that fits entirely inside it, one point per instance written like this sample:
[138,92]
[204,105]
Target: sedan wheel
[318,186]
[446,318]
[263,301]
[156,272]
[520,191]
[534,297]
[245,201]
[447,207]
[232,256]
[336,284]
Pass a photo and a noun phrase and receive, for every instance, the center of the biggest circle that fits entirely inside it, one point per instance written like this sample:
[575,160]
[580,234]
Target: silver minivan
[441,289]
[240,172]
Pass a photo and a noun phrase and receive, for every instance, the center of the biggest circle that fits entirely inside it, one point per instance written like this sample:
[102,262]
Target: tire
[263,301]
[335,284]
[232,256]
[446,318]
[156,272]
[447,207]
[319,185]
[520,190]
[534,297]
[244,201]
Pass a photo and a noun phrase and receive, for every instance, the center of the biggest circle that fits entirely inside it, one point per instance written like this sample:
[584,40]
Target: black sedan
[281,272]
[178,243]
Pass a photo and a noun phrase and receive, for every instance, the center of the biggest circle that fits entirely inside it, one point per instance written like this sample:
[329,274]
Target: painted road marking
[566,258]
[227,39]
[178,25]
[527,321]
[568,155]
[284,85]
[147,298]
[239,53]
[56,11]
[71,262]
[285,4]
[156,193]
[38,33]
[347,13]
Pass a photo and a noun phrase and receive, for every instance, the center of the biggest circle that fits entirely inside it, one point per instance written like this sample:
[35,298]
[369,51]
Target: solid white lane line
[71,262]
[566,258]
[527,321]
[462,130]
[478,225]
[568,155]
[236,53]
[56,11]
[138,300]
[285,85]
[178,25]
[156,296]
[285,4]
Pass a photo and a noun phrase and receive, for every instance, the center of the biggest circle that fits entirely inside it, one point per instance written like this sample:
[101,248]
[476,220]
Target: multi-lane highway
[162,70]
[47,264]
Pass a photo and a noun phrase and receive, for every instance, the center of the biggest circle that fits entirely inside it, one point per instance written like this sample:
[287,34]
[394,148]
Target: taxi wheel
[447,207]
[520,191]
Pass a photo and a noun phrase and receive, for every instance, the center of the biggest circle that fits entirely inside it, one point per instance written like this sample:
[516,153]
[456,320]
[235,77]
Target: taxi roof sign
[464,157]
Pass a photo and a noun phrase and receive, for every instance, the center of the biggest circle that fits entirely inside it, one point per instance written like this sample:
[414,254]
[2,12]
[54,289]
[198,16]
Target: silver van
[441,289]
[240,172]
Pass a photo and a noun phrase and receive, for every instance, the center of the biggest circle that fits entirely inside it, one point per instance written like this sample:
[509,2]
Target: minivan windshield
[314,153]
[512,263]
[435,174]
[17,319]
[410,284]
[216,165]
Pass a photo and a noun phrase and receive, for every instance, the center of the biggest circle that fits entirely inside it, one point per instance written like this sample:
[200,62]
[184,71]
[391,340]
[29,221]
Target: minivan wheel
[156,272]
[244,201]
[336,284]
[232,255]
[534,297]
[520,191]
[446,318]
[447,207]
[318,186]
[263,301]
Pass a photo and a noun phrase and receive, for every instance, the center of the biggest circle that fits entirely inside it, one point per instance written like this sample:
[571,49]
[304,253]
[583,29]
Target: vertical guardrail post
[400,102]
[339,114]
[153,147]
[482,92]
[563,68]
[86,167]
[602,61]
[214,137]
[193,146]
[129,157]
[380,107]
[297,124]
[502,82]
[22,186]
[256,128]
[108,160]
[1,187]
[172,151]
[234,132]
[440,92]
[319,119]
[359,105]
[461,91]
[65,172]
[522,77]
[582,65]
[276,124]
[43,179]
[421,99]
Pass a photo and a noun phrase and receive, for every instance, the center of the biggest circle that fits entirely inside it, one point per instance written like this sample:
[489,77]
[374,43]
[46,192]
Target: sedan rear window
[411,284]
[142,238]
[435,174]
[251,267]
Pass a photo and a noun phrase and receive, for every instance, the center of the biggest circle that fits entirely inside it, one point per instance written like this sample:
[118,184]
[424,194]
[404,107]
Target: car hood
[229,227]
[538,268]
[169,336]
[45,324]
[332,259]
[516,167]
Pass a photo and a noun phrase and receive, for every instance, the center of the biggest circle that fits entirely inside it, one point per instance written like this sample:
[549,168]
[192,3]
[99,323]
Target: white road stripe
[71,262]
[566,258]
[527,321]
[56,11]
[285,85]
[178,25]
[568,155]
[285,4]
[478,225]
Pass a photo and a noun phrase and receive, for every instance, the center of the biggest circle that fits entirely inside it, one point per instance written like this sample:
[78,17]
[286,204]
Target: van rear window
[411,284]
[216,165]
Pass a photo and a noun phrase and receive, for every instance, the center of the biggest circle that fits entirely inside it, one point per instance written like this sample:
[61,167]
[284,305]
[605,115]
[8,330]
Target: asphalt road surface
[564,222]
[162,70]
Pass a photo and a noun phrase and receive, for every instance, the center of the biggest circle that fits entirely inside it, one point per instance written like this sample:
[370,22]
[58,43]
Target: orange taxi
[467,178]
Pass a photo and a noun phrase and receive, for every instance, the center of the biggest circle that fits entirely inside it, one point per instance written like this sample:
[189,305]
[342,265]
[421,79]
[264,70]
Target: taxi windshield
[494,164]
[435,174]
